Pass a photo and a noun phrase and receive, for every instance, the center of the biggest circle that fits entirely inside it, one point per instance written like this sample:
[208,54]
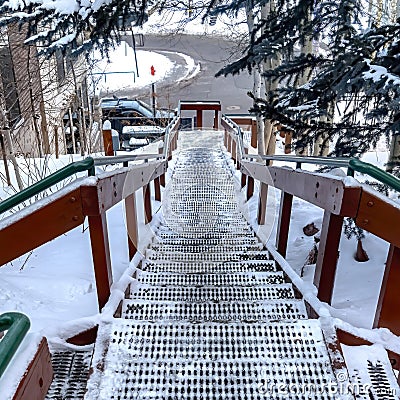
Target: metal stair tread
[210,267]
[232,279]
[194,249]
[209,256]
[211,293]
[224,311]
[216,341]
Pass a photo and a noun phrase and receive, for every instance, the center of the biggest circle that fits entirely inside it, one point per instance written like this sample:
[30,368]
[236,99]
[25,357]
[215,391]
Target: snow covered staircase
[211,316]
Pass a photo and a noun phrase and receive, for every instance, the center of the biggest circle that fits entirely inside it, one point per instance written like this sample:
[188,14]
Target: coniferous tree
[74,24]
[356,77]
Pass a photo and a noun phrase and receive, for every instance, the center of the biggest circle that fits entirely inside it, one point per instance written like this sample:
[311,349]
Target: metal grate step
[169,235]
[246,379]
[211,341]
[203,267]
[210,293]
[232,279]
[71,372]
[241,241]
[203,227]
[217,248]
[215,257]
[257,311]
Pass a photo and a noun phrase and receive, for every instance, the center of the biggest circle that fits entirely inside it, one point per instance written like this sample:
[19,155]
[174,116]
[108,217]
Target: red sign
[152,70]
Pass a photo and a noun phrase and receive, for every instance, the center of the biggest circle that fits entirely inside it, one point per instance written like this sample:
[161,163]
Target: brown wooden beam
[101,257]
[254,140]
[199,105]
[328,254]
[41,226]
[107,142]
[157,189]
[162,177]
[243,181]
[234,150]
[38,376]
[131,224]
[377,215]
[262,204]
[216,119]
[162,180]
[284,222]
[147,204]
[84,338]
[388,308]
[199,118]
[250,187]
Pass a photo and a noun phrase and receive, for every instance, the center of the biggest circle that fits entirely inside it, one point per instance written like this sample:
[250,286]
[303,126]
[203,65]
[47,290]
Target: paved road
[212,53]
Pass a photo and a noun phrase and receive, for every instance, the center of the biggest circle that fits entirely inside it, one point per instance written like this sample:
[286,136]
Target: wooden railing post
[387,311]
[250,187]
[328,254]
[243,180]
[226,139]
[262,203]
[131,224]
[199,118]
[285,212]
[244,176]
[157,190]
[162,177]
[101,256]
[230,144]
[107,139]
[254,134]
[237,156]
[147,203]
[216,115]
[234,148]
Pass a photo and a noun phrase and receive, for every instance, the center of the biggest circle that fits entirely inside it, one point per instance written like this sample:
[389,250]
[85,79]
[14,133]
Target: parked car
[136,122]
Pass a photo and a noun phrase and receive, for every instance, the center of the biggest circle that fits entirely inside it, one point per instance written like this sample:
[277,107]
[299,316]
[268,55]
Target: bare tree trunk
[270,86]
[81,132]
[11,156]
[321,145]
[259,91]
[394,153]
[258,82]
[4,156]
[71,128]
[306,48]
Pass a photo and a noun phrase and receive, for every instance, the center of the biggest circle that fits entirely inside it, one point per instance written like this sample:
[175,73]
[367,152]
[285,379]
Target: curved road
[212,53]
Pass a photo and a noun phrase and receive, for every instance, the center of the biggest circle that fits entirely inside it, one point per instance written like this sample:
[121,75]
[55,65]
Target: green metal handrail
[17,325]
[79,166]
[374,172]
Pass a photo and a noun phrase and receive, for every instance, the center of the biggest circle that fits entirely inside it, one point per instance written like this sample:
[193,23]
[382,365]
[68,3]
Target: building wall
[31,138]
[38,93]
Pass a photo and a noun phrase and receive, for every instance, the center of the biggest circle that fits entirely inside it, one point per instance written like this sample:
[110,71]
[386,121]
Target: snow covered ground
[118,72]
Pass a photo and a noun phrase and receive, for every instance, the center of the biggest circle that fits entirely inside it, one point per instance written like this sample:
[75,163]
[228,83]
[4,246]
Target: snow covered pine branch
[74,24]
